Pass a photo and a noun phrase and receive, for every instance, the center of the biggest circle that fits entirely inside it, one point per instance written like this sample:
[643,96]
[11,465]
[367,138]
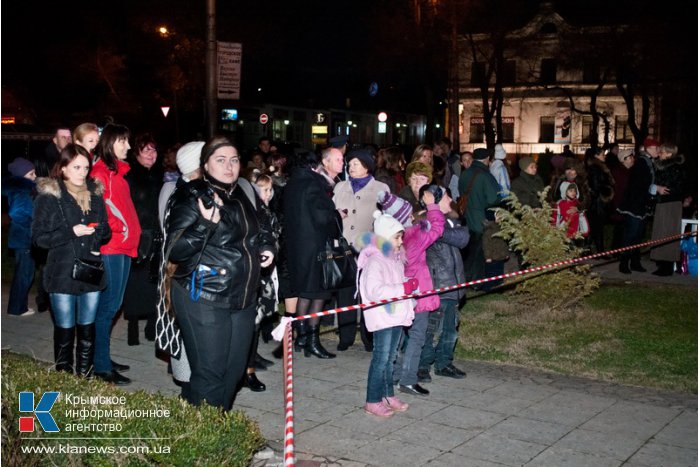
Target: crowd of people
[205,243]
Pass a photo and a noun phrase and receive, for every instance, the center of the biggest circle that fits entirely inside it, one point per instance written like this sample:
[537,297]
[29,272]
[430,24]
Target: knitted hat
[188,156]
[385,225]
[421,168]
[364,156]
[649,142]
[624,154]
[499,152]
[20,167]
[481,153]
[398,208]
[525,163]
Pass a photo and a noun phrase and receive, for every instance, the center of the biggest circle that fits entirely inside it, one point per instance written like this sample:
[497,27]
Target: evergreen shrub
[530,233]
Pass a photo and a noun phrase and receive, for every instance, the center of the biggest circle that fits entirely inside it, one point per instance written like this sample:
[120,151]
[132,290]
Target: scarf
[226,188]
[359,183]
[81,195]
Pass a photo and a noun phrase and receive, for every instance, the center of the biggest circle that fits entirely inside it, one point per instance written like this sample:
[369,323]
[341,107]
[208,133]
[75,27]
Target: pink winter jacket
[416,240]
[381,276]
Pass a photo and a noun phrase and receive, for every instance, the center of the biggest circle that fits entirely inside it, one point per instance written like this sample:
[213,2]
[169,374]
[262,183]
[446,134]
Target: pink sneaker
[395,404]
[379,409]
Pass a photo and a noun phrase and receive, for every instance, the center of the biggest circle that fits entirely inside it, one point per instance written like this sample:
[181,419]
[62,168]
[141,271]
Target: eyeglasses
[148,149]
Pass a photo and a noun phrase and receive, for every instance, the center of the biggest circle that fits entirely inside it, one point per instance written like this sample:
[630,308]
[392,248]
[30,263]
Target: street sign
[263,118]
[382,117]
[229,70]
[165,109]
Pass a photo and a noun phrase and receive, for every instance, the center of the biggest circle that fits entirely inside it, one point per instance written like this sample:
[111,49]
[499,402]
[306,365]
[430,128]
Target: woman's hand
[212,214]
[266,258]
[81,229]
[343,213]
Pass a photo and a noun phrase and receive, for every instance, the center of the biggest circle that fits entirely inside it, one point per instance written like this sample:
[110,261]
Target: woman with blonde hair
[87,135]
[423,153]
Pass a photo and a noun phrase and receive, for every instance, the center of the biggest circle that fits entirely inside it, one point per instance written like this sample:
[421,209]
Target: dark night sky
[303,53]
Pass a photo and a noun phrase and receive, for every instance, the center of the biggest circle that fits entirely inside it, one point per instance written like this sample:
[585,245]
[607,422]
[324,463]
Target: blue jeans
[632,234]
[380,378]
[64,308]
[117,269]
[21,282]
[442,325]
[406,368]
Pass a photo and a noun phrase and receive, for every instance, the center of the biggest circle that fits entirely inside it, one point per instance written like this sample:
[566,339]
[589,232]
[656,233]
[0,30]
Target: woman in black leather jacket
[219,244]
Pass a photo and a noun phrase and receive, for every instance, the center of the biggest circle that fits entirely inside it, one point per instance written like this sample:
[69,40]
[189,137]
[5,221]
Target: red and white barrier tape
[289,458]
[286,328]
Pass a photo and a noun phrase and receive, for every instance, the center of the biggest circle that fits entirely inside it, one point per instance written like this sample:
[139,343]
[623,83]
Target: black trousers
[347,320]
[217,342]
[474,260]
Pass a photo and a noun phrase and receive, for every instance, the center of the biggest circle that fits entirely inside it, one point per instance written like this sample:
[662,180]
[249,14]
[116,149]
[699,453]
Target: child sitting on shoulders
[381,276]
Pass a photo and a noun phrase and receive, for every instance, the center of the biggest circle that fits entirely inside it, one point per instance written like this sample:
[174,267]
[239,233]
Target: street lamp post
[210,104]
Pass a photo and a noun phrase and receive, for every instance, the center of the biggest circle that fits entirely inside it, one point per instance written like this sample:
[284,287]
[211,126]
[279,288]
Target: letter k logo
[42,411]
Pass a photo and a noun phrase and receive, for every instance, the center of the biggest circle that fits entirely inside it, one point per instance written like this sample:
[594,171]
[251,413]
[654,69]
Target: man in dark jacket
[481,190]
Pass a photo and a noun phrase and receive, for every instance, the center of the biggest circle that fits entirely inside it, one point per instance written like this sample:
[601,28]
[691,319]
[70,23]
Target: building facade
[547,89]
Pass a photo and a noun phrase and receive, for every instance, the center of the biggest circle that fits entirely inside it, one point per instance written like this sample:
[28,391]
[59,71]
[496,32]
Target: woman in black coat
[310,220]
[140,298]
[601,191]
[219,244]
[670,173]
[70,220]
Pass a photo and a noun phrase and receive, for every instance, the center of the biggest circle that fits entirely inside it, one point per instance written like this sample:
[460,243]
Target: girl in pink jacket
[381,276]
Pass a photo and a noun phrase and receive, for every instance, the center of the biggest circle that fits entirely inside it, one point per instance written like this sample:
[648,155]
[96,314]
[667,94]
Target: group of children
[393,261]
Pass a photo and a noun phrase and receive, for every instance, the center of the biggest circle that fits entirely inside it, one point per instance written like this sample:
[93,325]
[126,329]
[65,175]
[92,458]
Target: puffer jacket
[224,258]
[416,240]
[445,260]
[126,229]
[20,192]
[55,214]
[381,276]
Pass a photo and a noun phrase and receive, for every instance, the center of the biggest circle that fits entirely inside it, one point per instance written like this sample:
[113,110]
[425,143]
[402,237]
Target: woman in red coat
[116,255]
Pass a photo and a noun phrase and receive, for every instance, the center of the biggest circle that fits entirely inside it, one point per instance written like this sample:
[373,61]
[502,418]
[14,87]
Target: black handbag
[338,265]
[88,270]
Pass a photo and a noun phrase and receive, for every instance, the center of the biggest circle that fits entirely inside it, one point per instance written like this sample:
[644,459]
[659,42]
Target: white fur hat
[385,225]
[187,158]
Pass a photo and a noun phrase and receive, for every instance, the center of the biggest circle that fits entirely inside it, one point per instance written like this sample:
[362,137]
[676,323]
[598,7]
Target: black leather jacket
[224,257]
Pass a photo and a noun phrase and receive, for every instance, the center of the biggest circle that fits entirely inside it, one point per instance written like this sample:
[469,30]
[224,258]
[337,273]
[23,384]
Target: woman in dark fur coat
[601,189]
[70,220]
[670,173]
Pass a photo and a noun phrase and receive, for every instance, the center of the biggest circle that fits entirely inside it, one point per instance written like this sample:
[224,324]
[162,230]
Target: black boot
[84,350]
[278,353]
[251,381]
[132,336]
[302,329]
[313,344]
[150,331]
[664,268]
[625,265]
[636,264]
[63,348]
